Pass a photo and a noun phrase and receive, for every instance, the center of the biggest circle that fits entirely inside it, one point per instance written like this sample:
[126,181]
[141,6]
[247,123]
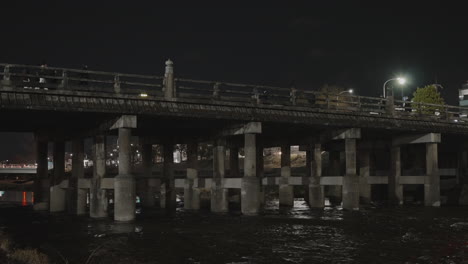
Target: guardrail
[24,77]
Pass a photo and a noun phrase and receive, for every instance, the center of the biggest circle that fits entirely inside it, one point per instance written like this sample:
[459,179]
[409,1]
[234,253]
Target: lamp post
[400,81]
[350,91]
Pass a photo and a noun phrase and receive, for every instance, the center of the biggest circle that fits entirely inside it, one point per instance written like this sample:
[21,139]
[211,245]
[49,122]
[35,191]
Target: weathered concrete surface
[97,194]
[148,189]
[41,183]
[286,192]
[124,183]
[57,194]
[76,197]
[395,189]
[335,192]
[315,190]
[168,179]
[250,189]
[417,139]
[432,182]
[351,179]
[219,195]
[364,173]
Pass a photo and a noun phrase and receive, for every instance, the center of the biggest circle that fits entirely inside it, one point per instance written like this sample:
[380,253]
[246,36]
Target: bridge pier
[219,195]
[335,160]
[148,189]
[98,196]
[57,193]
[168,194]
[77,197]
[351,179]
[192,193]
[395,189]
[364,174]
[315,190]
[42,182]
[432,181]
[260,170]
[286,191]
[250,188]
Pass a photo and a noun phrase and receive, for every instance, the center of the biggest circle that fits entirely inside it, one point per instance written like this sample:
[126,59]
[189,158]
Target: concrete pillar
[219,195]
[351,179]
[57,194]
[41,183]
[286,191]
[124,182]
[169,84]
[463,177]
[192,194]
[309,160]
[364,173]
[432,182]
[76,196]
[234,162]
[250,188]
[148,183]
[316,192]
[98,196]
[395,189]
[168,178]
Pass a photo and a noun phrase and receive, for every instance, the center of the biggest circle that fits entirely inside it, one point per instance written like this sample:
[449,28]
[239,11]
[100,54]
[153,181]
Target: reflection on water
[297,235]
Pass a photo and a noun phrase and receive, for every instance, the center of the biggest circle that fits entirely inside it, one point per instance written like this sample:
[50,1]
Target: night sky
[352,45]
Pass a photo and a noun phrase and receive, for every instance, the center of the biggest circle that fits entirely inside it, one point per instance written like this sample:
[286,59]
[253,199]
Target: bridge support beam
[364,173]
[168,195]
[76,196]
[98,196]
[148,185]
[192,194]
[219,195]
[351,179]
[395,189]
[316,192]
[260,169]
[57,194]
[250,188]
[286,191]
[41,183]
[432,182]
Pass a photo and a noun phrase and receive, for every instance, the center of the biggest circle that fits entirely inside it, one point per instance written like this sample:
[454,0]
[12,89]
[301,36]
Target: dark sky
[349,43]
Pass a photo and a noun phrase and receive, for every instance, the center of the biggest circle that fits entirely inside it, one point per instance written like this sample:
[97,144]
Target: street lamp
[400,80]
[350,91]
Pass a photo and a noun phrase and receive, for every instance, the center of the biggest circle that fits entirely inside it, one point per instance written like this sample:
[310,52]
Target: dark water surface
[299,235]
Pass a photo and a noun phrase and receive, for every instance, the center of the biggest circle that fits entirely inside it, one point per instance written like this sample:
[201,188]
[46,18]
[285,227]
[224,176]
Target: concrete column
[57,194]
[77,197]
[316,192]
[41,183]
[351,179]
[124,182]
[149,184]
[286,191]
[309,160]
[168,178]
[192,194]
[234,162]
[219,195]
[364,173]
[432,182]
[250,188]
[98,196]
[395,189]
[463,177]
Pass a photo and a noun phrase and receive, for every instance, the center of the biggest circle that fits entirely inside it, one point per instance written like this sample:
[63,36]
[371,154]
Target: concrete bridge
[361,135]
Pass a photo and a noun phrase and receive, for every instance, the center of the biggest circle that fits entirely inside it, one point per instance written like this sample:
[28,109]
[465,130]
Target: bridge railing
[23,77]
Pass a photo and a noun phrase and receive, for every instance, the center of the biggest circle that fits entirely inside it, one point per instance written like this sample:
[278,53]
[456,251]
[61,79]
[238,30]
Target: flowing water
[298,235]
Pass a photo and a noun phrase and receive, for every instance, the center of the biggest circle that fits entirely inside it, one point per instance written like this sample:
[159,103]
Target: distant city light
[143,95]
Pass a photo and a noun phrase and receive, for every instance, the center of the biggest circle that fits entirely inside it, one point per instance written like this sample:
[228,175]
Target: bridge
[361,135]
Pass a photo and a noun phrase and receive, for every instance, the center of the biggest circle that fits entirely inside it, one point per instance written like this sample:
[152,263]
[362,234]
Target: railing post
[168,82]
[293,96]
[6,73]
[327,100]
[390,106]
[117,84]
[216,90]
[64,83]
[256,96]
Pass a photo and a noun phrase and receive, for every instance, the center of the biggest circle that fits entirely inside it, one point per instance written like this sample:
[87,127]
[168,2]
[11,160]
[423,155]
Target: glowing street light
[350,91]
[400,81]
